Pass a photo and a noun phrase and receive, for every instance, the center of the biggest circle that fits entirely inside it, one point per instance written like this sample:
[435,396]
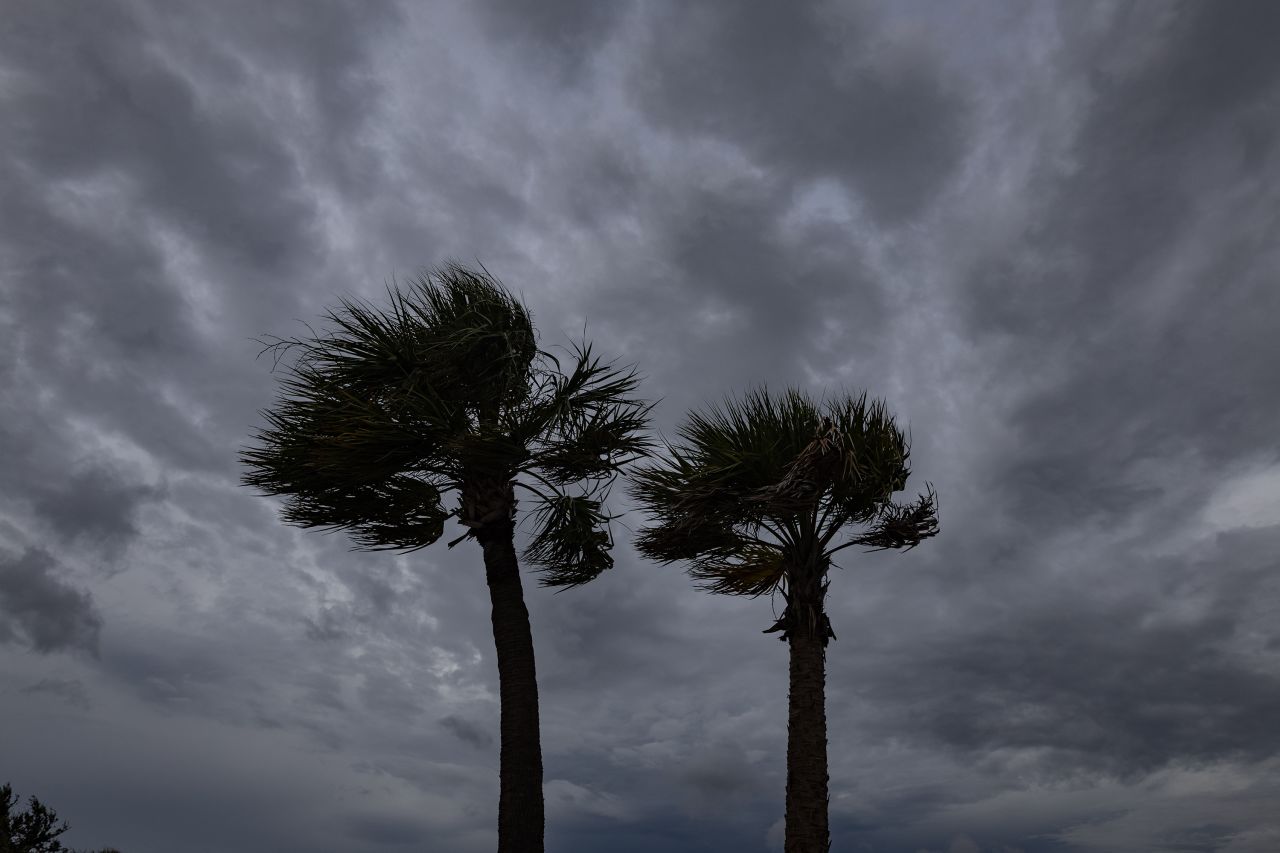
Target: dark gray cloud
[94,505]
[1119,690]
[467,731]
[767,79]
[559,38]
[388,831]
[1042,233]
[42,610]
[1121,253]
[721,778]
[70,690]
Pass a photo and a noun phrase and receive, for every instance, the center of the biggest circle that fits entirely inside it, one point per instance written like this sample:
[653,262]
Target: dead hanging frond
[821,462]
[742,568]
[805,613]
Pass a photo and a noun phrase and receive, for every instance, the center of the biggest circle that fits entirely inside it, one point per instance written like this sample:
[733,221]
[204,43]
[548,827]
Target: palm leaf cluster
[760,487]
[381,418]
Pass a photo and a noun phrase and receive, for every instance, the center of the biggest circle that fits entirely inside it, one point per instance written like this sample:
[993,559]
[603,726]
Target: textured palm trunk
[806,815]
[520,806]
[807,830]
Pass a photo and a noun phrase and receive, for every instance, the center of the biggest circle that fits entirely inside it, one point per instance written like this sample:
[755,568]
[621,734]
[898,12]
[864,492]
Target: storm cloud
[1042,232]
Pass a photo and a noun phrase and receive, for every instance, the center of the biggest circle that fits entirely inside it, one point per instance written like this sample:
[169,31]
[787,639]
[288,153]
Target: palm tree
[753,500]
[447,393]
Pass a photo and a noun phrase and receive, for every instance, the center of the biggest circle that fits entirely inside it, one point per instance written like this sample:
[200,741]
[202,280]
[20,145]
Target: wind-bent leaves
[384,415]
[573,541]
[766,482]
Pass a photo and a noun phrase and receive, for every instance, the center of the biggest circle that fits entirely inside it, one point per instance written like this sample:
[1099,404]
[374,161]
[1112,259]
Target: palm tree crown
[448,391]
[759,490]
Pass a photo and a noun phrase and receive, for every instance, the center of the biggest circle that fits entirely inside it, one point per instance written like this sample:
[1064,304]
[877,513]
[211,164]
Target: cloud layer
[1043,233]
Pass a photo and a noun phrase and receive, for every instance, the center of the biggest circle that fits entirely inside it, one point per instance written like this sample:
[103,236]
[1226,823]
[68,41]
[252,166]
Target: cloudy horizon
[1043,233]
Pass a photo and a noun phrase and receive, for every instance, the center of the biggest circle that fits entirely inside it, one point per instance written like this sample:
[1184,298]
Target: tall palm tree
[753,500]
[447,392]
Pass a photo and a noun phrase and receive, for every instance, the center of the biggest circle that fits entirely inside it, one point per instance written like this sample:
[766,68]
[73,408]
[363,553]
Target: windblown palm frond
[572,542]
[399,513]
[583,427]
[586,425]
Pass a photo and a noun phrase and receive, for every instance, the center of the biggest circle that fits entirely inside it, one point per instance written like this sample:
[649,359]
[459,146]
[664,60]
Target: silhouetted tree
[753,500]
[448,392]
[32,831]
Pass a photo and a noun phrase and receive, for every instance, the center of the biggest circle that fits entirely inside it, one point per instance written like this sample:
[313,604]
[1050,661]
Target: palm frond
[595,445]
[705,489]
[901,526]
[572,541]
[320,428]
[586,425]
[752,569]
[686,537]
[477,341]
[460,345]
[582,427]
[395,513]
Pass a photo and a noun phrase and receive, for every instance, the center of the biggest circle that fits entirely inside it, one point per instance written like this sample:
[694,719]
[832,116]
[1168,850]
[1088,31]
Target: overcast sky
[1044,234]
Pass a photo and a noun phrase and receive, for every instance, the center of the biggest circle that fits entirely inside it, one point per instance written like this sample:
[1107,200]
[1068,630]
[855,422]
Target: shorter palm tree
[753,500]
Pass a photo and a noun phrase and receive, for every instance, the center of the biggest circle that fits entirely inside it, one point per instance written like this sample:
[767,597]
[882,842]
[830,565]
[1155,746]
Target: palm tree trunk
[520,807]
[806,816]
